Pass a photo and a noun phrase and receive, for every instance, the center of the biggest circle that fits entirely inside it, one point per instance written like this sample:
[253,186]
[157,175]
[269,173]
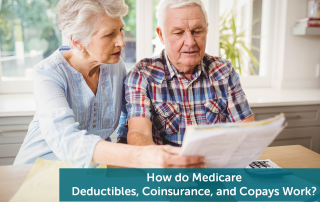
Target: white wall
[300,54]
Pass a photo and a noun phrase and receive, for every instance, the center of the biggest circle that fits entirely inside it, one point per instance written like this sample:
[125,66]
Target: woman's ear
[76,44]
[160,34]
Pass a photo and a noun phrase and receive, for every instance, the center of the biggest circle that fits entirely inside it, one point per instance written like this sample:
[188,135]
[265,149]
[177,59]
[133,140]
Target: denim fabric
[70,119]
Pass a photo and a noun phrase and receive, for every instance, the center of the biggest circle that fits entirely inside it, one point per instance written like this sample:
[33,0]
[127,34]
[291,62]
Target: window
[26,38]
[243,36]
[252,29]
[129,51]
[252,19]
[157,46]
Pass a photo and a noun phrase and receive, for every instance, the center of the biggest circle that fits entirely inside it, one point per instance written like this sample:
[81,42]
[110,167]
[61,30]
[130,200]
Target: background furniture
[12,133]
[303,125]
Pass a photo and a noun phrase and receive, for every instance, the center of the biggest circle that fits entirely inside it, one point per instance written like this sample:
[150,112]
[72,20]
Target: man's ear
[76,44]
[159,32]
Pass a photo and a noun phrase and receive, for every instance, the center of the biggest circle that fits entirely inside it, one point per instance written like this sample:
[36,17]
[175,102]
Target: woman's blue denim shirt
[70,119]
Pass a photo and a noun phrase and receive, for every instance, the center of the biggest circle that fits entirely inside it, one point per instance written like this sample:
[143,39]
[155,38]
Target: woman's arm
[57,121]
[79,149]
[144,156]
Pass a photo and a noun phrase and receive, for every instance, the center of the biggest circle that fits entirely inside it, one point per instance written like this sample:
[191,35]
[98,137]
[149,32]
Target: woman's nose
[120,40]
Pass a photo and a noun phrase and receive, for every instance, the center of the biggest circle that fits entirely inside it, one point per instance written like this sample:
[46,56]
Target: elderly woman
[79,93]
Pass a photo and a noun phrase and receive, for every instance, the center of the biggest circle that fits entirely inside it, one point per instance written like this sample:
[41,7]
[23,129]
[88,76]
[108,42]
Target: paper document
[231,145]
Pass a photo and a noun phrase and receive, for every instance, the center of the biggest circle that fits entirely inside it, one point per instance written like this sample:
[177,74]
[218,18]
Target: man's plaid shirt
[157,91]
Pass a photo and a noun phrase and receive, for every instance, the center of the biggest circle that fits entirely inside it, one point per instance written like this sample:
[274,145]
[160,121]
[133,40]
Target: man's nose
[189,39]
[120,40]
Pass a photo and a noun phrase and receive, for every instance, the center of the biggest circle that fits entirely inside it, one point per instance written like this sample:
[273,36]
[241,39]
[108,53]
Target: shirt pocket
[214,109]
[167,117]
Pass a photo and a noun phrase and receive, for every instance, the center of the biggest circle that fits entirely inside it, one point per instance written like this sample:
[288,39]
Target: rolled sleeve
[238,107]
[138,102]
[122,130]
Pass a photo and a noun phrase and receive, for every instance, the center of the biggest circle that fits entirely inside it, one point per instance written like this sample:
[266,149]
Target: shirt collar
[173,71]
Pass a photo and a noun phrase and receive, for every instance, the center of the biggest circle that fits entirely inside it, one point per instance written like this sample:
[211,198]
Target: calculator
[265,167]
[263,164]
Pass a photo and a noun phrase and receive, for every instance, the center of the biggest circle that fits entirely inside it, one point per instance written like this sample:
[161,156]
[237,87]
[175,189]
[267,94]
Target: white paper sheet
[231,145]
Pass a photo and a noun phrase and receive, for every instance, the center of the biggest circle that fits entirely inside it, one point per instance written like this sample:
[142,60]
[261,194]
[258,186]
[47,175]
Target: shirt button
[94,126]
[94,121]
[95,104]
[95,114]
[166,114]
[95,109]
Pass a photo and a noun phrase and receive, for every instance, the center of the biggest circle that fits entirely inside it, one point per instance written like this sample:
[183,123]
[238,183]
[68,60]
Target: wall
[300,54]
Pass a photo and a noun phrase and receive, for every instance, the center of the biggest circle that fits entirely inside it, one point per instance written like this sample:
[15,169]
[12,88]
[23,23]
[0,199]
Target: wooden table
[295,156]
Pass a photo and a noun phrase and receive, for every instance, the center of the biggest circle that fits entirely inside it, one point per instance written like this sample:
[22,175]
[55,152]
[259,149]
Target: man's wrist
[137,138]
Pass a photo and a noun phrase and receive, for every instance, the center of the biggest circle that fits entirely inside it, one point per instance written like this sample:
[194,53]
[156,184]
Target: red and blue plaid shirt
[157,91]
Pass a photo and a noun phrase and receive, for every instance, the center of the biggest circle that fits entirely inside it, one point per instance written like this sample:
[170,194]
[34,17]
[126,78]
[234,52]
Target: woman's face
[107,42]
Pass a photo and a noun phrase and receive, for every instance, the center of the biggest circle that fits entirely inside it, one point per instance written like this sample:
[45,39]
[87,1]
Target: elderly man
[183,85]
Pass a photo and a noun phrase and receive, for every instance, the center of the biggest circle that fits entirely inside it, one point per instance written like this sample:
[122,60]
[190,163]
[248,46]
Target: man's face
[184,36]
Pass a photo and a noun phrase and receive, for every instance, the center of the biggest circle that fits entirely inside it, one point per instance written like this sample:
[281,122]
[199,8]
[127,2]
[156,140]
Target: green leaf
[232,43]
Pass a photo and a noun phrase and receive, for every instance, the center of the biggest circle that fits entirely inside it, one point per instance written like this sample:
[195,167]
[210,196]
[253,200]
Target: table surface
[294,156]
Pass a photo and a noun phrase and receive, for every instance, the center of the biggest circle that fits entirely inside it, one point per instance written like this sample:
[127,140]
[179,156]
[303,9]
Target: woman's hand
[166,157]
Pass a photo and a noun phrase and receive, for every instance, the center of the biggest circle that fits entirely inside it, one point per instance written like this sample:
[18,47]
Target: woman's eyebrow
[104,31]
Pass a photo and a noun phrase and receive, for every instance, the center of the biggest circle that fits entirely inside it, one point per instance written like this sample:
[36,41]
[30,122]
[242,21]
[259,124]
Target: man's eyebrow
[198,27]
[179,28]
[176,28]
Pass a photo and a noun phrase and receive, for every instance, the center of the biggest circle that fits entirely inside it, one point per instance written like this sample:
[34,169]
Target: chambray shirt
[70,119]
[157,91]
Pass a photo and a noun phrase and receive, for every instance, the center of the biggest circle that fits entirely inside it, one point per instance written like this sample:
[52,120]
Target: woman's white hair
[78,18]
[165,4]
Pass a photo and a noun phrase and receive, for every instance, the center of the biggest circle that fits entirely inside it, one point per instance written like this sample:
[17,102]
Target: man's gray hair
[165,4]
[79,18]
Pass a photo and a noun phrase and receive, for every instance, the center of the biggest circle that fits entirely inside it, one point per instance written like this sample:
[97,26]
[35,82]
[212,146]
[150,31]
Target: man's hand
[140,131]
[166,157]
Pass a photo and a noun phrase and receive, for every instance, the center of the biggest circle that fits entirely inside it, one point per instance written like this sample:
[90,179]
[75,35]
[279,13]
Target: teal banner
[189,184]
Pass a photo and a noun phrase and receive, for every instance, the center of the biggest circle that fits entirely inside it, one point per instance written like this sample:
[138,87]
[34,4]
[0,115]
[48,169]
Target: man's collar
[203,67]
[173,71]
